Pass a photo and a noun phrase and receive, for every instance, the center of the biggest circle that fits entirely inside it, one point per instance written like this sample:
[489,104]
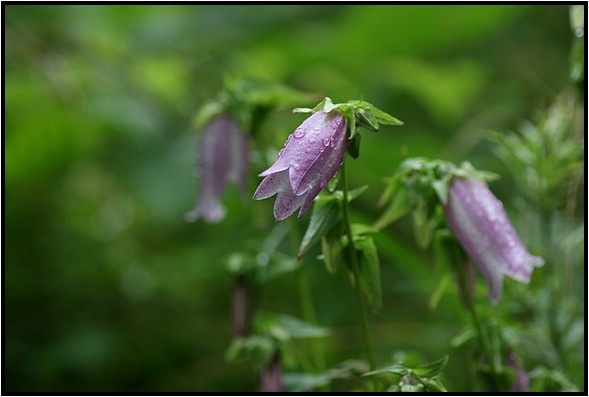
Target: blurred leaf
[369,272]
[326,214]
[331,248]
[399,206]
[431,369]
[300,329]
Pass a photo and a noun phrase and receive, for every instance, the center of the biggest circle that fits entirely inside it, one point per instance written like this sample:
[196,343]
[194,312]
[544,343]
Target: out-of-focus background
[107,288]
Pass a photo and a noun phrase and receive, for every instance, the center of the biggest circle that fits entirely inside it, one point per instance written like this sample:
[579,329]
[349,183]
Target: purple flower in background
[271,378]
[222,157]
[312,155]
[480,223]
[522,380]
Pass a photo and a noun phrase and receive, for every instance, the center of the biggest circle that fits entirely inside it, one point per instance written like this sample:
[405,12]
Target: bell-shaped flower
[311,156]
[222,157]
[482,227]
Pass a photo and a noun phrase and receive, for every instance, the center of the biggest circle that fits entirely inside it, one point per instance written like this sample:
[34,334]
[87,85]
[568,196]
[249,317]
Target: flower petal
[271,185]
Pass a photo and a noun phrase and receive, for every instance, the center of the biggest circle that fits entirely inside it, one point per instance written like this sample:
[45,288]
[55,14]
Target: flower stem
[355,270]
[306,298]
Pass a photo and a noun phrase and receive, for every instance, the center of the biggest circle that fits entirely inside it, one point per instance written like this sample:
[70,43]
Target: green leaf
[443,284]
[300,329]
[353,148]
[366,119]
[369,272]
[209,110]
[359,230]
[355,193]
[332,250]
[259,348]
[385,118]
[400,206]
[434,385]
[302,110]
[431,369]
[397,369]
[328,105]
[441,187]
[326,214]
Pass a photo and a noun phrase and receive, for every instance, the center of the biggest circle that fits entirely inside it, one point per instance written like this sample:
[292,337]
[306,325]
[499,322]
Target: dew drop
[321,149]
[326,142]
[299,133]
[579,32]
[300,143]
[296,167]
[332,142]
[280,152]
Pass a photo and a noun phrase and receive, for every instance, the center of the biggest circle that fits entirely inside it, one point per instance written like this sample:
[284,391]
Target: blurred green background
[108,289]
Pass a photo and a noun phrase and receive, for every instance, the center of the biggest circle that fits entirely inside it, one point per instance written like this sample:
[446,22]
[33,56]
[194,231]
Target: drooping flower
[311,156]
[482,227]
[222,157]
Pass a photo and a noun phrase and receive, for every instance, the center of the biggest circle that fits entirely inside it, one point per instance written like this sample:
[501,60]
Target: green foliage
[358,114]
[423,378]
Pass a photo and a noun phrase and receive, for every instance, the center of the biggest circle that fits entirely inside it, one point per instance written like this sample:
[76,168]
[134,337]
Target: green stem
[306,297]
[355,270]
[487,351]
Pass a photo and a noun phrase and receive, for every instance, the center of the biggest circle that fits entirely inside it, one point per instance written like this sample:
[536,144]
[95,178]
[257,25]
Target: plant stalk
[355,270]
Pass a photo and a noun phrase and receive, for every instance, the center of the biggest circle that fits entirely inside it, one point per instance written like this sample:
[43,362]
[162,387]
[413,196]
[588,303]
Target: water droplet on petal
[579,32]
[296,167]
[299,133]
[326,142]
[321,149]
[280,152]
[300,143]
[332,142]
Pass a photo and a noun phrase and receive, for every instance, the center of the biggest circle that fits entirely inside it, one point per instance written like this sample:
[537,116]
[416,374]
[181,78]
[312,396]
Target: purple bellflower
[482,227]
[222,157]
[311,156]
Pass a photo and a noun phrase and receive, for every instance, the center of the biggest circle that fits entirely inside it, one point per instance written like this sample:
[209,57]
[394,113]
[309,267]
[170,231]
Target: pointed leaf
[400,206]
[326,214]
[397,369]
[300,329]
[431,369]
[360,230]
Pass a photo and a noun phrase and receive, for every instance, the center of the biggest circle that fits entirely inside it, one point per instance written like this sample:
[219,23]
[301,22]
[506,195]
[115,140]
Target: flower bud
[311,156]
[482,227]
